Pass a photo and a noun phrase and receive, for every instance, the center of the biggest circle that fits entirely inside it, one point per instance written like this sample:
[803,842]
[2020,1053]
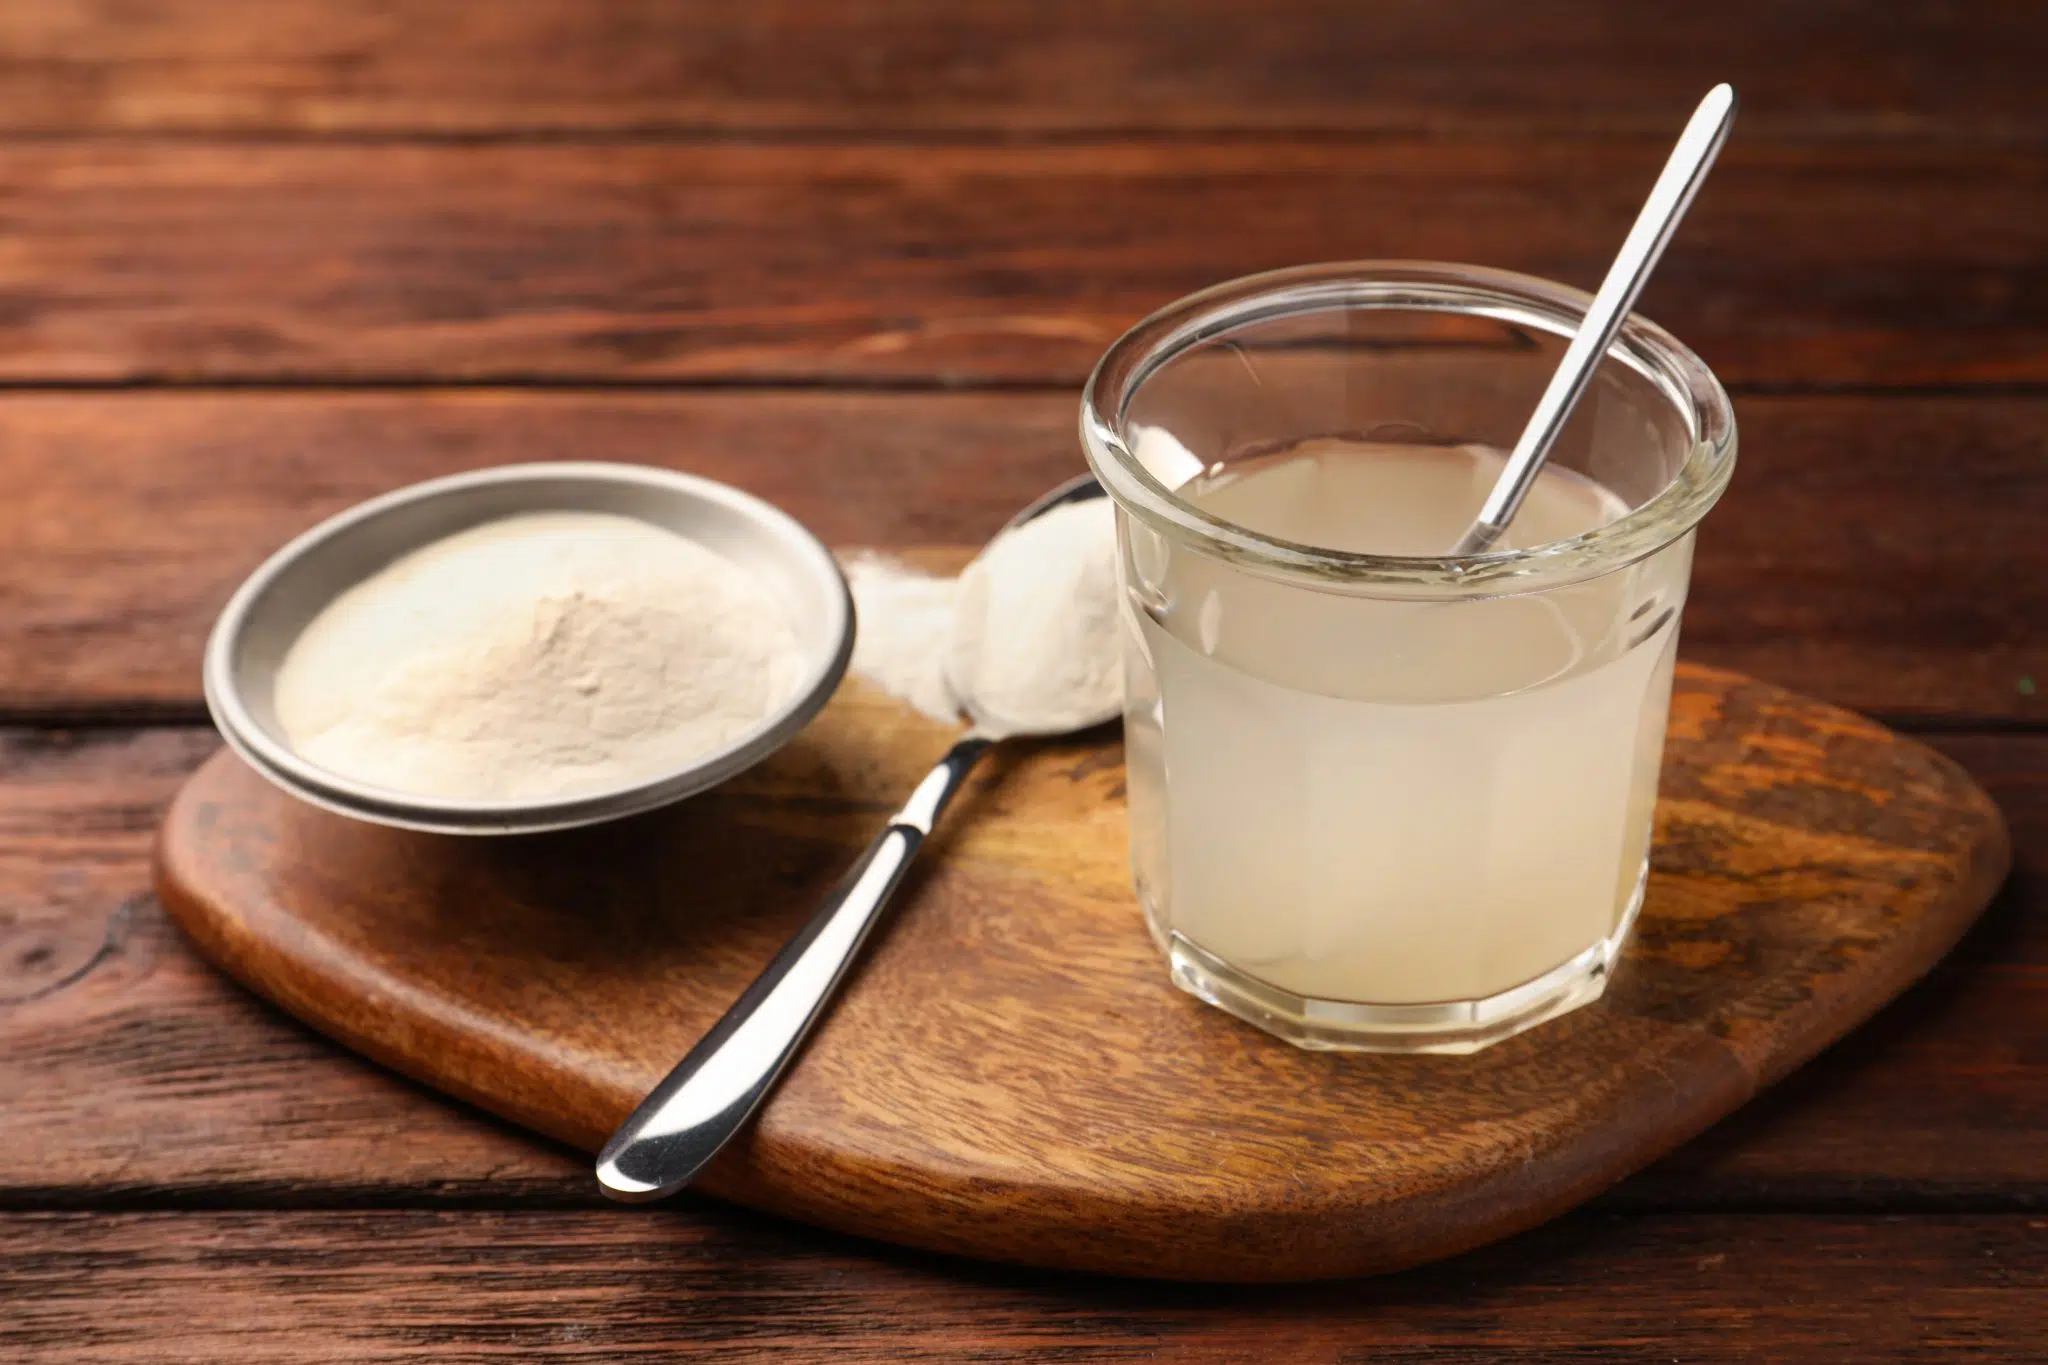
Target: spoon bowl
[985,721]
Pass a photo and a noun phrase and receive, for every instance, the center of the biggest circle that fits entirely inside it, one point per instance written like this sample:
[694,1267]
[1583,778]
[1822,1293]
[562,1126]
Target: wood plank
[1963,1036]
[149,1079]
[1882,553]
[1811,866]
[1802,263]
[391,1285]
[921,66]
[131,1069]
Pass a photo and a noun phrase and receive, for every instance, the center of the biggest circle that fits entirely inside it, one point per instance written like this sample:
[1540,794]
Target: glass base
[1454,1027]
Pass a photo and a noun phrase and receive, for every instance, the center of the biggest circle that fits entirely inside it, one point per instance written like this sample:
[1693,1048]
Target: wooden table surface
[261,258]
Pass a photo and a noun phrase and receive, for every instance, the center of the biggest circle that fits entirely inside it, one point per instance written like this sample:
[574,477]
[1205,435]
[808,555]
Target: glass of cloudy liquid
[1382,797]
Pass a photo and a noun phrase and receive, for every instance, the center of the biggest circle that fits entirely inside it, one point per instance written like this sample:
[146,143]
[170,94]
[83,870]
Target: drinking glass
[1390,803]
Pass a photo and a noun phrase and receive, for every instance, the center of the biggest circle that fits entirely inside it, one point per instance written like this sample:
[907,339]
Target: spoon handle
[713,1091]
[1673,193]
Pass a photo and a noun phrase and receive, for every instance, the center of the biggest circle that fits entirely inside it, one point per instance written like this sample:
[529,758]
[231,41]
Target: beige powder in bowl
[538,657]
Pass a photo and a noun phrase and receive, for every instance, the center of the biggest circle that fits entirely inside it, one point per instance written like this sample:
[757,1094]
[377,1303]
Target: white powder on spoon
[1029,631]
[535,658]
[1034,644]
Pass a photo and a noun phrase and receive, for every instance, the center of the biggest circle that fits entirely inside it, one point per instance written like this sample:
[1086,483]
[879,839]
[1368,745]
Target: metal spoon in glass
[1669,198]
[714,1090]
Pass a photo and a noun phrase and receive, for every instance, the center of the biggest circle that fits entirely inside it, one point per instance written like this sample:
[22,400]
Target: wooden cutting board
[1010,1075]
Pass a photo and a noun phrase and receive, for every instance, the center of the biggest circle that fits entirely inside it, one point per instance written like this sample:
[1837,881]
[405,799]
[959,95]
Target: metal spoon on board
[1669,198]
[714,1090]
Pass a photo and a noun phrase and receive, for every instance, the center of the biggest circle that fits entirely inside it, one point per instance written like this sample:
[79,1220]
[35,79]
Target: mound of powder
[1029,632]
[900,643]
[535,658]
[1034,645]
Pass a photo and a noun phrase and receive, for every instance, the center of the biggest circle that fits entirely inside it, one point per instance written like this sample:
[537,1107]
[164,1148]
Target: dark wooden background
[260,258]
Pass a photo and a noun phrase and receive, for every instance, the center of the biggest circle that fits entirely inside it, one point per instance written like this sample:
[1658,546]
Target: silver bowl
[268,612]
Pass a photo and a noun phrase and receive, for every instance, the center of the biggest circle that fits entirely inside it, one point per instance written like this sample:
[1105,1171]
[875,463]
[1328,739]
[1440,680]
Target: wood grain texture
[1883,553]
[928,66]
[384,1287]
[1977,1068]
[131,1070]
[1800,264]
[1054,1102]
[1941,1101]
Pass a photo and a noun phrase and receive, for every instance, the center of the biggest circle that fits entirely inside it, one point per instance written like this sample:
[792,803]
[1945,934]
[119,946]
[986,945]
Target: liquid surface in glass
[1371,800]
